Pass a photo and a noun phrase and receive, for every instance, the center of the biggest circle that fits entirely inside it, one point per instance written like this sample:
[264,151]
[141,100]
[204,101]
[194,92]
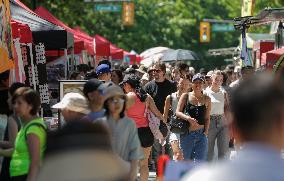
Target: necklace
[198,99]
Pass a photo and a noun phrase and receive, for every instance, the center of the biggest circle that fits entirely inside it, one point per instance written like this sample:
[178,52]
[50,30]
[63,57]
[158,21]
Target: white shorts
[174,137]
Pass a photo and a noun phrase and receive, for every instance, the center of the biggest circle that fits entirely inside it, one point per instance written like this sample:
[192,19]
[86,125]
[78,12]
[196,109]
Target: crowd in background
[114,118]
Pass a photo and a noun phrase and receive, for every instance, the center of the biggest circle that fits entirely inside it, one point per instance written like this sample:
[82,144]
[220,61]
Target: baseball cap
[91,85]
[198,76]
[209,74]
[73,102]
[132,79]
[110,89]
[103,68]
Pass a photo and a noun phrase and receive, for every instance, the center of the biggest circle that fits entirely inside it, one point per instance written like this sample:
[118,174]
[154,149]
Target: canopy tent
[88,43]
[51,35]
[102,46]
[270,58]
[21,31]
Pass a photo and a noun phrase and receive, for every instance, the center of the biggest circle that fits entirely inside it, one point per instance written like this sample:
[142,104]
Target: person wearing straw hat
[124,136]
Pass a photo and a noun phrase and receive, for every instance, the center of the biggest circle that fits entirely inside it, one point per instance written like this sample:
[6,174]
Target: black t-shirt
[159,91]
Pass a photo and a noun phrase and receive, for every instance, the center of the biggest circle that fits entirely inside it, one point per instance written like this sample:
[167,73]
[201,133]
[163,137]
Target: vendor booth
[270,58]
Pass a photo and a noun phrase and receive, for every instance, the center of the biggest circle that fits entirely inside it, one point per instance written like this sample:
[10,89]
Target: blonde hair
[216,73]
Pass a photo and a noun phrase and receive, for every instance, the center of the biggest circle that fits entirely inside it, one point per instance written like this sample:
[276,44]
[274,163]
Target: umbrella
[152,51]
[147,62]
[179,54]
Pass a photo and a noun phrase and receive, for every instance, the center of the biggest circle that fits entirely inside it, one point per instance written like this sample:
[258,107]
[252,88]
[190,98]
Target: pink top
[136,112]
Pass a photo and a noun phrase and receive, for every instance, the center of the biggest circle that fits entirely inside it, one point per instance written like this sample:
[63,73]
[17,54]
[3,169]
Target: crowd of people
[113,119]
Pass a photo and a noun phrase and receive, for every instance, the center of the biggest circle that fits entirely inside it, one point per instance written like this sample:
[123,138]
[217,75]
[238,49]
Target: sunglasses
[117,100]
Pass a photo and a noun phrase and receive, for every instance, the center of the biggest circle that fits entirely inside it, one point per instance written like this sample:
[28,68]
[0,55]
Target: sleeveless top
[217,101]
[197,112]
[174,102]
[137,113]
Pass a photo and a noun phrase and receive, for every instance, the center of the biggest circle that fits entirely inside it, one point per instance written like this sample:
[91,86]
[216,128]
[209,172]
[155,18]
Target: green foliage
[170,23]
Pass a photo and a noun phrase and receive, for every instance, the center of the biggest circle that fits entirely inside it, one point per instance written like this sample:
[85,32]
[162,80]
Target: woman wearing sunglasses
[125,141]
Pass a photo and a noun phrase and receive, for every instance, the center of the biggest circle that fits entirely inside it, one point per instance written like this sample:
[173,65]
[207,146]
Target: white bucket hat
[73,102]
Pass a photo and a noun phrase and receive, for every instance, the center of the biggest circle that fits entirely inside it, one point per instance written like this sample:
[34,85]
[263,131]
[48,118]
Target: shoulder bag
[178,125]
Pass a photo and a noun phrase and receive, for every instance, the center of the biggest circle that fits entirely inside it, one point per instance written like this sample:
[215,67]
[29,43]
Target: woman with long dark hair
[194,107]
[11,131]
[136,106]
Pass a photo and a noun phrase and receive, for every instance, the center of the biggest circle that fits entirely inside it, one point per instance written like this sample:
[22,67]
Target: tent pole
[66,64]
[278,36]
[72,59]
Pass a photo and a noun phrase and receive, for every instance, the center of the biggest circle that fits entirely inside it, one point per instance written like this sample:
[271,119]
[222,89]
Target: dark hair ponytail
[141,94]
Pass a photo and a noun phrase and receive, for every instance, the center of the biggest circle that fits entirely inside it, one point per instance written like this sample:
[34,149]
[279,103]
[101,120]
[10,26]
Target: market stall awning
[270,58]
[102,46]
[42,12]
[53,36]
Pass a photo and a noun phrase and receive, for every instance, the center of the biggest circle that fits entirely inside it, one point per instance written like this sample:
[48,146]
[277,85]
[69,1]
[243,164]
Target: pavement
[152,176]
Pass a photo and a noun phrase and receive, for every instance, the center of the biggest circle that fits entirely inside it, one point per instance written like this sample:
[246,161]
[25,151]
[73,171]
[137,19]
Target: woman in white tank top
[218,130]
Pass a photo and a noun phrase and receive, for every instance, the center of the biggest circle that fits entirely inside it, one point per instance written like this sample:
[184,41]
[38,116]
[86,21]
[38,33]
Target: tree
[169,23]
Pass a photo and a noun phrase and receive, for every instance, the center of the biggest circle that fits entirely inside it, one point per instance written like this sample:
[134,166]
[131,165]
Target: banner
[247,7]
[6,42]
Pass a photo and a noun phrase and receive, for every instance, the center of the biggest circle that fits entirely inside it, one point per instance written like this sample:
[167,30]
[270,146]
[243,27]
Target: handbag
[178,125]
[159,129]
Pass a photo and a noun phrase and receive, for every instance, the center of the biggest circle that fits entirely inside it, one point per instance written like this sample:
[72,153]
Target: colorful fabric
[6,42]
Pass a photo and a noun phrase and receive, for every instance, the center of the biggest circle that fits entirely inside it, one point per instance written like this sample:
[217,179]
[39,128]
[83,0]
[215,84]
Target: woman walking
[171,103]
[125,141]
[218,130]
[194,107]
[136,106]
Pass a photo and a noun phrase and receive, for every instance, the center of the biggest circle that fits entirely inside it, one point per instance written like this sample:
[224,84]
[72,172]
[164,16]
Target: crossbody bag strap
[186,103]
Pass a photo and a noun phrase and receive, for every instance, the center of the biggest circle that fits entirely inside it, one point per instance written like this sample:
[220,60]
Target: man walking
[159,89]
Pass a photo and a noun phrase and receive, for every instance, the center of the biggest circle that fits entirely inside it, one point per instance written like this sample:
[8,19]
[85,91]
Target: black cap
[132,79]
[91,86]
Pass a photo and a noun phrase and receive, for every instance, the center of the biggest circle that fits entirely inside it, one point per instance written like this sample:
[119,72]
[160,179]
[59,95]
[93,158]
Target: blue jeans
[194,145]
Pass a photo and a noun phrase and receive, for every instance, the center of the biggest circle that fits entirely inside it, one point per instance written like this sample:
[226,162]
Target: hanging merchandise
[40,64]
[34,61]
[244,51]
[6,42]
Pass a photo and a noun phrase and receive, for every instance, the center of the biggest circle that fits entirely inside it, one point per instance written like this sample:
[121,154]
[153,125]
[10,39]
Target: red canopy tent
[21,31]
[270,58]
[81,42]
[102,46]
[131,57]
